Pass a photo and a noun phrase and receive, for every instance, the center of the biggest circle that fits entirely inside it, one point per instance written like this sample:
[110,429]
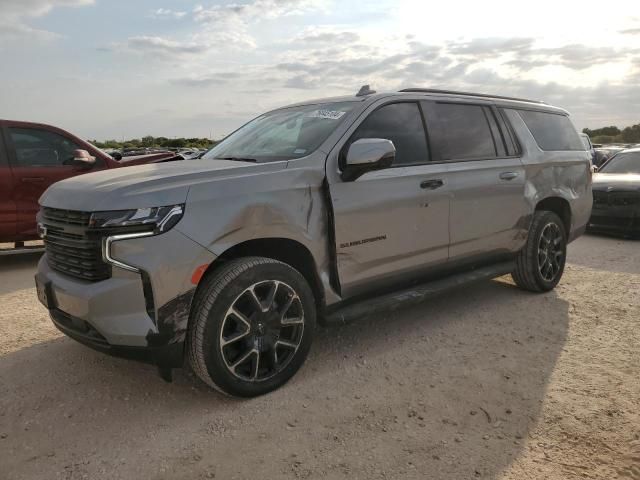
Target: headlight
[155,219]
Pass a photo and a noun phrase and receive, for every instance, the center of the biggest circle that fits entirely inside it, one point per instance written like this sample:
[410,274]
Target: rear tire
[251,326]
[540,264]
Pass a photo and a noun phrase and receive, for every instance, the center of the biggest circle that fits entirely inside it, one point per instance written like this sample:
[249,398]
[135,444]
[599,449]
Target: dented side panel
[564,175]
[285,203]
[168,262]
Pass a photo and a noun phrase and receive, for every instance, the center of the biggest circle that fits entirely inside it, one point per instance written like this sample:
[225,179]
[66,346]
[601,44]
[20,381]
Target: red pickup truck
[32,157]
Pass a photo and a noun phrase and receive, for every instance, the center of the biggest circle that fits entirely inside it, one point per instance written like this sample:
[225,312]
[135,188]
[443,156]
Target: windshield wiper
[237,159]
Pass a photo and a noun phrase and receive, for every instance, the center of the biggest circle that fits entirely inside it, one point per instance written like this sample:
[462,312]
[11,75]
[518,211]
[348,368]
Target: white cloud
[223,27]
[164,46]
[194,47]
[14,15]
[325,35]
[167,13]
[255,11]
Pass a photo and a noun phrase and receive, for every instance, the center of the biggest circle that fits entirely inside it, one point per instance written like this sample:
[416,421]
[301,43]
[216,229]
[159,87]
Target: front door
[38,159]
[7,204]
[391,224]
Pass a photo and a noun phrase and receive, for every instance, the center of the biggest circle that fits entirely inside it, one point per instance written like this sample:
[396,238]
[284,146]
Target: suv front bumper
[141,315]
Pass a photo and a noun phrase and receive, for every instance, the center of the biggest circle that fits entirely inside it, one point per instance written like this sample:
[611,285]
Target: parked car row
[34,156]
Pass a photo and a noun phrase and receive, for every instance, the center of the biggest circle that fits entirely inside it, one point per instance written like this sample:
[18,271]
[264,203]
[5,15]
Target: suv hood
[142,186]
[602,181]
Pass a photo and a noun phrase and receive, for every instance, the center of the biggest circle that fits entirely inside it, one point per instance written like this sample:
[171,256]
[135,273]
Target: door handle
[508,175]
[431,184]
[32,179]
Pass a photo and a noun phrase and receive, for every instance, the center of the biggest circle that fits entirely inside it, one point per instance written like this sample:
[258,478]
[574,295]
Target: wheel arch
[558,205]
[285,250]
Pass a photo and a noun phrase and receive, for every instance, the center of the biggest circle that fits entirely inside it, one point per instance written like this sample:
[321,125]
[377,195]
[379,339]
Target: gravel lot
[486,381]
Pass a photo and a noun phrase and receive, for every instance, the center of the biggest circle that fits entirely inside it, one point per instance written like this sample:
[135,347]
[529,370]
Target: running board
[416,294]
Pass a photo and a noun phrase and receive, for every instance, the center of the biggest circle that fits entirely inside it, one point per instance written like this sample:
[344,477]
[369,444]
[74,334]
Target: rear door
[390,224]
[38,158]
[487,178]
[7,204]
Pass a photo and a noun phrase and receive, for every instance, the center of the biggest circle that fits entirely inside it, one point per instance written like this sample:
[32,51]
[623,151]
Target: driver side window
[402,124]
[41,148]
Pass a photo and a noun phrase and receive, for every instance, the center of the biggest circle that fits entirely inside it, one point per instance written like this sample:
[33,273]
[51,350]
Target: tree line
[613,134]
[156,142]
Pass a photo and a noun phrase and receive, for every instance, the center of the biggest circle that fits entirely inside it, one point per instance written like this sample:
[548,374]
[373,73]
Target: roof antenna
[364,91]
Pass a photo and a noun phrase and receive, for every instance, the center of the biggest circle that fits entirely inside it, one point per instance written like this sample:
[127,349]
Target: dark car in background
[34,156]
[616,195]
[604,153]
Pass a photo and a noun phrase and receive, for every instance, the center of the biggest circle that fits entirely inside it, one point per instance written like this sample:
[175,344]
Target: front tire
[540,264]
[251,326]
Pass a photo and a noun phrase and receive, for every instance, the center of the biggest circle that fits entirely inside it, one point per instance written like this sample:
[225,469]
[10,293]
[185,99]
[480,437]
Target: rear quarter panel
[564,174]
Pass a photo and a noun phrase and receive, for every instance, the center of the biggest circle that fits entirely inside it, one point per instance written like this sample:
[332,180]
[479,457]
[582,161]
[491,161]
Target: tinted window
[465,132]
[626,162]
[41,148]
[552,131]
[402,124]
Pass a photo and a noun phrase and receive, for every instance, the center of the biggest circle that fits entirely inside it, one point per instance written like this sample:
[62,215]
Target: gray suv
[319,211]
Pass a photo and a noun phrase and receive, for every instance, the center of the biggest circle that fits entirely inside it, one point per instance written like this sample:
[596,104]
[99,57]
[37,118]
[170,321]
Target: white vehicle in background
[588,146]
[190,154]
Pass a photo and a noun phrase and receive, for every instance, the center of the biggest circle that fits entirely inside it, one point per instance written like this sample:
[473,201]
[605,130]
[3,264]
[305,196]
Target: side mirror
[368,154]
[116,156]
[594,168]
[82,159]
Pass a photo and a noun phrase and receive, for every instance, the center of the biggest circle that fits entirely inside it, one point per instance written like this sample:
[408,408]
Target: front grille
[66,217]
[71,247]
[624,198]
[615,198]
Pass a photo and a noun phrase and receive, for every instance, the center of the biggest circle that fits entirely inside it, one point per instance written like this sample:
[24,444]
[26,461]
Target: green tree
[631,134]
[611,131]
[148,141]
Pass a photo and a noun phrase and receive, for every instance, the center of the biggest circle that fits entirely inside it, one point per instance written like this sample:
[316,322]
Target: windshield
[628,162]
[283,134]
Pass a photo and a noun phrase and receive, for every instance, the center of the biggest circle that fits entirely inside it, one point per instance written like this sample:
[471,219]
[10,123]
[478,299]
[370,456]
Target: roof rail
[453,92]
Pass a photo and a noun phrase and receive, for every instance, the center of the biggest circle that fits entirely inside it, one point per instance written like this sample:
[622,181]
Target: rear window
[552,131]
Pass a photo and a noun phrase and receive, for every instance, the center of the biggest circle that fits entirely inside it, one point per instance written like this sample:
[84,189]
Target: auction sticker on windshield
[328,114]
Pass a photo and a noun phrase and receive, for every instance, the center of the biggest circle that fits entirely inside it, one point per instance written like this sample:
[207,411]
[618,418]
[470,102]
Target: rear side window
[464,132]
[552,131]
[402,124]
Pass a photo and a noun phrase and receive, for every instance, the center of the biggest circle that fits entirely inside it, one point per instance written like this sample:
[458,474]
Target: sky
[114,69]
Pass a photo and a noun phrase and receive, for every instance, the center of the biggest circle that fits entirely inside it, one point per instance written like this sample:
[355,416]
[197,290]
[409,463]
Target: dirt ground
[486,381]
